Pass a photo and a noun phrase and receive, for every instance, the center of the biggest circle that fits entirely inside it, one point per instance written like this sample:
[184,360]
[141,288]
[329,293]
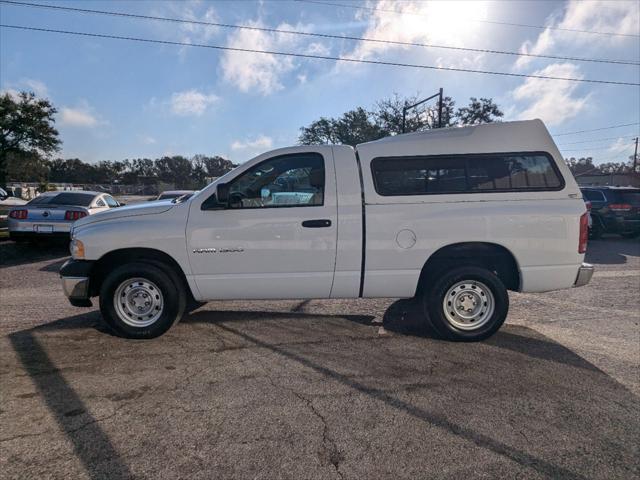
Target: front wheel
[140,300]
[466,304]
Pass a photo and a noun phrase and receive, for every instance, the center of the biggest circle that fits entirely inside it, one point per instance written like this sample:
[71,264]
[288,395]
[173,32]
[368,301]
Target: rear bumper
[585,272]
[34,235]
[75,275]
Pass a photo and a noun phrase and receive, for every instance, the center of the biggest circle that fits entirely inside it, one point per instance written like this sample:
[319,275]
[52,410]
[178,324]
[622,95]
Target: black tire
[434,303]
[172,293]
[191,303]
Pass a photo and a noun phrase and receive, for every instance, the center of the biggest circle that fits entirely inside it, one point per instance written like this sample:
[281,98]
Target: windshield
[73,199]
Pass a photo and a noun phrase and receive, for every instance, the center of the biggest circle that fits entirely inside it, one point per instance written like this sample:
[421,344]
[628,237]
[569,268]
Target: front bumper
[585,272]
[75,276]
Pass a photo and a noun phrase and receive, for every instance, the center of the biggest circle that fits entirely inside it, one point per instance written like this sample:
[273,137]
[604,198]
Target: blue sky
[120,99]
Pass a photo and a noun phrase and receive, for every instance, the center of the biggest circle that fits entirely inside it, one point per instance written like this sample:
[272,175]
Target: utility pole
[440,113]
[635,158]
[409,107]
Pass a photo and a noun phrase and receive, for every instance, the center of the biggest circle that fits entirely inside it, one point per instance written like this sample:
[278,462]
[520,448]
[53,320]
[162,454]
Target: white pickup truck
[455,216]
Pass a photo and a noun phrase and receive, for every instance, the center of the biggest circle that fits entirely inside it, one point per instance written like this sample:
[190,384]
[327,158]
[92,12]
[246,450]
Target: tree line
[29,141]
[585,166]
[183,172]
[385,118]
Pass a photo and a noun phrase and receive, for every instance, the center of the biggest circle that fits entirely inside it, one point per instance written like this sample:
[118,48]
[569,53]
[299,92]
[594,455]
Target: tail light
[74,215]
[19,214]
[620,207]
[584,233]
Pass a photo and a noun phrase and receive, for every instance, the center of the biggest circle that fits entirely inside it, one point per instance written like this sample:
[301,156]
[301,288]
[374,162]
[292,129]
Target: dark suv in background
[614,210]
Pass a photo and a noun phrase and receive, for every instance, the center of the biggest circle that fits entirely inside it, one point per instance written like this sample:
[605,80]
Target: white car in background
[51,214]
[6,203]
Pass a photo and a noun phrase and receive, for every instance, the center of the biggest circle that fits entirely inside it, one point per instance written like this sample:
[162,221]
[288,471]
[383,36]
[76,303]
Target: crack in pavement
[330,449]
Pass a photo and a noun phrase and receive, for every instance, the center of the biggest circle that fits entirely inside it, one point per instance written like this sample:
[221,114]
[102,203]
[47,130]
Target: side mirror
[219,200]
[222,193]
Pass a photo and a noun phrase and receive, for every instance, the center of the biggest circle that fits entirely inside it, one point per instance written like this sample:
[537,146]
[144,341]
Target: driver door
[275,237]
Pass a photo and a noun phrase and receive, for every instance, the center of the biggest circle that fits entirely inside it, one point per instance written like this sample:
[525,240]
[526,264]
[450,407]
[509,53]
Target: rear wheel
[141,300]
[466,304]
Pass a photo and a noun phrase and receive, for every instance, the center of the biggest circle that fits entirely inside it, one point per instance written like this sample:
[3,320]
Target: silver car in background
[51,214]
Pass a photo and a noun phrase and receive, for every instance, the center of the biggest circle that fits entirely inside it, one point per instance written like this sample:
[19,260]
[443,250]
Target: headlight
[77,249]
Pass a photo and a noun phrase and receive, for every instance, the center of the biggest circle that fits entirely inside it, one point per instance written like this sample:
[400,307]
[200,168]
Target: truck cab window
[284,181]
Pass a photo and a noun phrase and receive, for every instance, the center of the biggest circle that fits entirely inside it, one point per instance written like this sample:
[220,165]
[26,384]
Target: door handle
[316,223]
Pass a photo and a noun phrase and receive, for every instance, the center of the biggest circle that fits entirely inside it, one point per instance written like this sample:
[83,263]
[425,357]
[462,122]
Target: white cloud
[28,84]
[261,142]
[12,92]
[258,71]
[190,33]
[620,145]
[197,33]
[81,116]
[191,102]
[445,23]
[147,139]
[317,48]
[597,16]
[551,100]
[36,86]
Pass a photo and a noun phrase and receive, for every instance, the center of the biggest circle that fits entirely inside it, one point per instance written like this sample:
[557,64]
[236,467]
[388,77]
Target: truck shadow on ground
[13,254]
[355,369]
[612,250]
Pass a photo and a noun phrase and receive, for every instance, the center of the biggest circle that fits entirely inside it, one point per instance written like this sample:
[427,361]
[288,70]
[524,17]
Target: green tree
[478,111]
[176,169]
[580,166]
[353,127]
[217,166]
[388,114]
[319,132]
[26,128]
[72,170]
[26,168]
[143,168]
[359,125]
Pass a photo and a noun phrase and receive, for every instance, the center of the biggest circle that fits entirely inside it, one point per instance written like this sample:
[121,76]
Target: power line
[599,140]
[596,129]
[313,34]
[593,149]
[319,57]
[616,156]
[524,25]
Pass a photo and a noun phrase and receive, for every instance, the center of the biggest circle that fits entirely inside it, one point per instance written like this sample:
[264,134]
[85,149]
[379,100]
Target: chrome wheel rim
[138,302]
[468,305]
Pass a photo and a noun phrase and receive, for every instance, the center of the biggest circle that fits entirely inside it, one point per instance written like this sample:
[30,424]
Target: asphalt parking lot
[321,389]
